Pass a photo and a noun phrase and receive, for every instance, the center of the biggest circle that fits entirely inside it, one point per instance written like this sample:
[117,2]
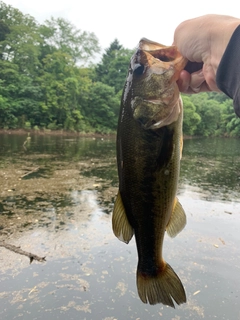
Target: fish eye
[138,69]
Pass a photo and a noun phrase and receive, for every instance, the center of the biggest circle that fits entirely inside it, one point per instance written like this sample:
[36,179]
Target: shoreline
[54,133]
[65,133]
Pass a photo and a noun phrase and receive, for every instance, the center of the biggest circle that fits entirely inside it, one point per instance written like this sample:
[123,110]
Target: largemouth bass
[149,146]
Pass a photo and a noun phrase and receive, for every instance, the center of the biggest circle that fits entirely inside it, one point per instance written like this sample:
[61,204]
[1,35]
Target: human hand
[203,41]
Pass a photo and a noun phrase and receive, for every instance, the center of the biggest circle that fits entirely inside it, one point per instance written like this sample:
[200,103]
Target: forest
[49,81]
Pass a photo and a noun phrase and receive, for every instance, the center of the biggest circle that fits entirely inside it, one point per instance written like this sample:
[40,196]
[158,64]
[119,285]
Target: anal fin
[177,220]
[120,224]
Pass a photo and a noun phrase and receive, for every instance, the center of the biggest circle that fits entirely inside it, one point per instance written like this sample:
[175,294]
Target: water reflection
[210,166]
[88,200]
[210,169]
[59,210]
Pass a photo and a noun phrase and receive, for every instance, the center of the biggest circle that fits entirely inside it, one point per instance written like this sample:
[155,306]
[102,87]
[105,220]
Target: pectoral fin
[177,220]
[120,224]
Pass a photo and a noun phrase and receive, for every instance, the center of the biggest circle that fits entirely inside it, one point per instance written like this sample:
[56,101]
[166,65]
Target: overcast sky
[126,20]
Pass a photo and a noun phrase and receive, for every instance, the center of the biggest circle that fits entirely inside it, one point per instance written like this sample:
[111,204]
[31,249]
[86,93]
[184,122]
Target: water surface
[56,199]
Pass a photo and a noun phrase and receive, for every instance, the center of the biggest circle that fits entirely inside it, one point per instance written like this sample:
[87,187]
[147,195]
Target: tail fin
[165,288]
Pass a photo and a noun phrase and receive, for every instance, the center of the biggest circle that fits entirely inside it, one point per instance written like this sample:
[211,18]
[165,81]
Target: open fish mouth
[164,55]
[154,71]
[167,55]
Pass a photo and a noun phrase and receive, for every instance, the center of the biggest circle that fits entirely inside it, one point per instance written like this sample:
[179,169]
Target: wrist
[228,74]
[220,38]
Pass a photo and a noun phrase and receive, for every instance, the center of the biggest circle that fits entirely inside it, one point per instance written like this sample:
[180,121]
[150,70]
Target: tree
[230,123]
[20,39]
[19,66]
[41,85]
[103,106]
[4,30]
[60,34]
[191,119]
[210,113]
[113,68]
[66,92]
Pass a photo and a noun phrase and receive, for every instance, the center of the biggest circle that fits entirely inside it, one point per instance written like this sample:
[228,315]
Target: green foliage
[20,39]
[191,118]
[102,108]
[35,128]
[113,68]
[60,34]
[42,86]
[210,107]
[27,125]
[4,30]
[47,81]
[230,125]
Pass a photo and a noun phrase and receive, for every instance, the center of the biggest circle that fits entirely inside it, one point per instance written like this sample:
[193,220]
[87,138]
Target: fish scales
[149,146]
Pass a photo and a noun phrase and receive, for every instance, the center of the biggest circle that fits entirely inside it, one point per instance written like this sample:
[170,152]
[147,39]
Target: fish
[149,148]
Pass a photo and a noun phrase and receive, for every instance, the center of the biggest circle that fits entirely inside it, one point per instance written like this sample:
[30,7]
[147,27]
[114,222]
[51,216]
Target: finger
[184,81]
[203,88]
[192,83]
[196,81]
[202,82]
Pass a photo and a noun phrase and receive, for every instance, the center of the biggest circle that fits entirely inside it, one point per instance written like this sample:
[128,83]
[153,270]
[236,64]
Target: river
[56,199]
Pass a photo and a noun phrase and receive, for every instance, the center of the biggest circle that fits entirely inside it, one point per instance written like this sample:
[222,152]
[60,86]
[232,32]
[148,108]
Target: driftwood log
[18,250]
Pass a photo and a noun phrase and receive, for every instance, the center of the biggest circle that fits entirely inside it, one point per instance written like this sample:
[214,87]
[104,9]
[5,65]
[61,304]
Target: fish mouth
[149,53]
[155,98]
[163,55]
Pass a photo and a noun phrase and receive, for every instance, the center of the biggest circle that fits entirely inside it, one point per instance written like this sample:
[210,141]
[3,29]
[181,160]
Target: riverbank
[54,133]
[67,133]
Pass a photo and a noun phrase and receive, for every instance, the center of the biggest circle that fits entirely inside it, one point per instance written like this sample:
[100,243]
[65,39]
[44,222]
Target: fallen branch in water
[18,250]
[26,174]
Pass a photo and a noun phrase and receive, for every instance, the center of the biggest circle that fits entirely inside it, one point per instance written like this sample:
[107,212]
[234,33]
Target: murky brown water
[56,197]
